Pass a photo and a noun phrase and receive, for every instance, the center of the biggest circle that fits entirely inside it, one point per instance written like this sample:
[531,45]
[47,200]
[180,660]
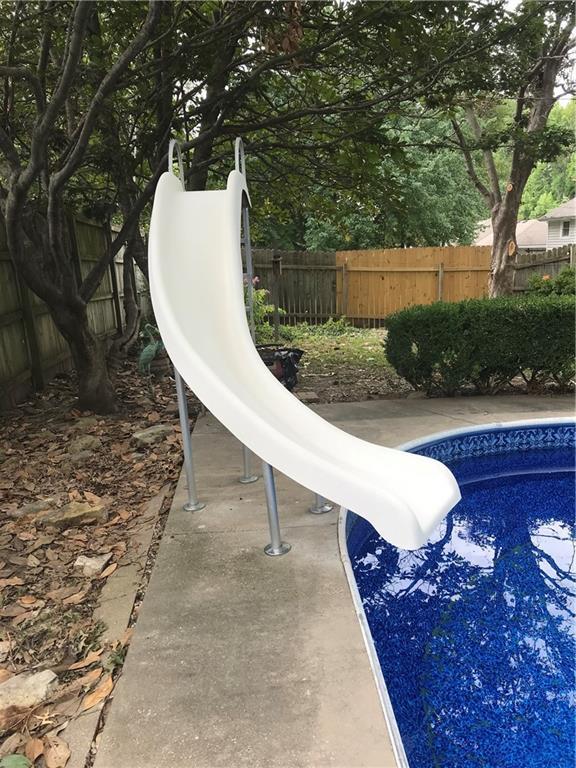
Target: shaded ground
[347,367]
[52,455]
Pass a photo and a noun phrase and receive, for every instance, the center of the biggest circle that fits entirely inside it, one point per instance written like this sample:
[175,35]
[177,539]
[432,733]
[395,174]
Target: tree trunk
[95,389]
[122,345]
[504,247]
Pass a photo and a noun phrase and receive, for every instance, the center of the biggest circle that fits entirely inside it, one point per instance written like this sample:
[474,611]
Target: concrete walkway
[239,659]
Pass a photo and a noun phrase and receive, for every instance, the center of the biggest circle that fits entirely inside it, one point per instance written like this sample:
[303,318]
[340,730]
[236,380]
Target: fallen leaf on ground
[14,581]
[67,707]
[90,659]
[74,599]
[27,600]
[56,752]
[5,674]
[127,637]
[92,498]
[98,694]
[89,677]
[11,744]
[26,536]
[60,594]
[34,748]
[108,571]
[17,620]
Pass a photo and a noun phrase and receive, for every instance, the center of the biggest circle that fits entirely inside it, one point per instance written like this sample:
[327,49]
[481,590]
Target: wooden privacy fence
[303,283]
[31,347]
[542,263]
[366,286]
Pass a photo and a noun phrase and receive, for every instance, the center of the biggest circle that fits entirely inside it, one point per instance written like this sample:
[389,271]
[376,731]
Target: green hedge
[445,348]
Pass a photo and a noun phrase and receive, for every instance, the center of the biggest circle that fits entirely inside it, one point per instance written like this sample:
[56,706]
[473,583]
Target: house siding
[555,238]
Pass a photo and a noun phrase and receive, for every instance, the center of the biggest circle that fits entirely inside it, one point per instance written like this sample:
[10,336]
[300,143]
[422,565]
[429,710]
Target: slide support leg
[247,475]
[192,505]
[320,505]
[276,546]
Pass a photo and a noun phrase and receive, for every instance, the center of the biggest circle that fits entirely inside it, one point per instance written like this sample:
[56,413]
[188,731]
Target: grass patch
[356,348]
[341,362]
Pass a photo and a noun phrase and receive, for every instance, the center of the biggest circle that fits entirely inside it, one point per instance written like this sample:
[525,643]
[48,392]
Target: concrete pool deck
[239,659]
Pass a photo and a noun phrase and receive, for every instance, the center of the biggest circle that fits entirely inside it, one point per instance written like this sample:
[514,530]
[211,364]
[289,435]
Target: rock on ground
[308,396]
[23,692]
[34,507]
[84,443]
[92,566]
[72,515]
[153,434]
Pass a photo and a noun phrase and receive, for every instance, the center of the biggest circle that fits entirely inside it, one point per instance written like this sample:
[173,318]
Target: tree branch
[487,155]
[475,179]
[9,151]
[104,89]
[81,13]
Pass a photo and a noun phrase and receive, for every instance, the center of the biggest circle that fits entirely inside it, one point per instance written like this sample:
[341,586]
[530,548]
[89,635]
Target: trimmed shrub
[444,348]
[564,284]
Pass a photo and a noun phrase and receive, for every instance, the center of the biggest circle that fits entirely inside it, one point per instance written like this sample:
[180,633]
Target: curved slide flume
[196,284]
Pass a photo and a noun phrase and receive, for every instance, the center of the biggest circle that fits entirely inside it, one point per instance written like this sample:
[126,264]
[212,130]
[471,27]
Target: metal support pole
[240,164]
[247,476]
[249,269]
[276,546]
[192,505]
[320,505]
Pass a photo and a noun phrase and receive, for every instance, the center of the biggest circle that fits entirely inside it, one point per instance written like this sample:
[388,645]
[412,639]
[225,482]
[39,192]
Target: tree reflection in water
[475,630]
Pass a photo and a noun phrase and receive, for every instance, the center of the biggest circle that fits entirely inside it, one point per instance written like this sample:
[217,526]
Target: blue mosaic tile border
[501,440]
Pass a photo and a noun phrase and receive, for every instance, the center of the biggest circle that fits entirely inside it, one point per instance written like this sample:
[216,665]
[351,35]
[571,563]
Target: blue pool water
[475,631]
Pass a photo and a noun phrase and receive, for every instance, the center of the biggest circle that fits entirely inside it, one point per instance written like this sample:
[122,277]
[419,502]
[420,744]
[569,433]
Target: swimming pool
[472,636]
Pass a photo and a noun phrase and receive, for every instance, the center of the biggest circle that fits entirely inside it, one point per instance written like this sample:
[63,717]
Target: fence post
[114,279]
[440,280]
[344,308]
[276,273]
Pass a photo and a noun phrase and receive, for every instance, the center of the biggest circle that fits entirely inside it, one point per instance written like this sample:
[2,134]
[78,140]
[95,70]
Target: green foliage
[411,192]
[445,348]
[15,761]
[151,349]
[263,314]
[330,329]
[552,183]
[564,284]
[115,659]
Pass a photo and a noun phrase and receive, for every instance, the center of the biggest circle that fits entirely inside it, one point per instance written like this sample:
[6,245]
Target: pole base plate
[249,479]
[189,507]
[321,510]
[273,552]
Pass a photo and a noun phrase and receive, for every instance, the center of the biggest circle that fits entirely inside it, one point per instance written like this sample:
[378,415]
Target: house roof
[565,211]
[531,233]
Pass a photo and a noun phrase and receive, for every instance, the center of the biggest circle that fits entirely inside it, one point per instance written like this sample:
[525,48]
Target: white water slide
[196,283]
